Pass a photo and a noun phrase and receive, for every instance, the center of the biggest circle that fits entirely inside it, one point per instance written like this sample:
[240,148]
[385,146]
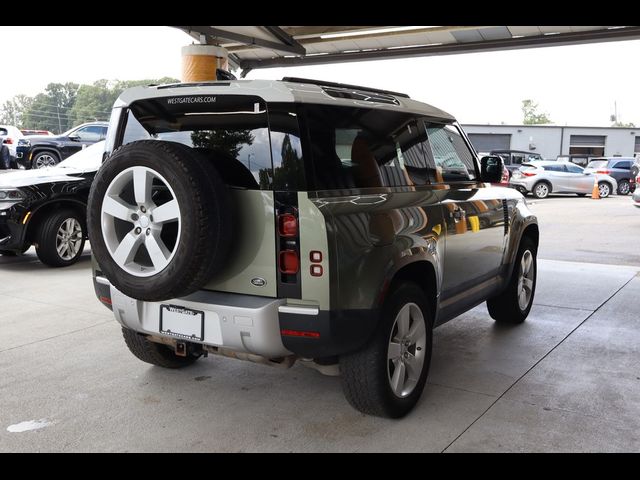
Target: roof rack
[342,85]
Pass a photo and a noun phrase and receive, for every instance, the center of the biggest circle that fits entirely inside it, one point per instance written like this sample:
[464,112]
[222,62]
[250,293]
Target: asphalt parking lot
[568,379]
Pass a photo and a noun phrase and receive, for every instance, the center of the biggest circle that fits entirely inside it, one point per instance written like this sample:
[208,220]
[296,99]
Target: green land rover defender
[276,221]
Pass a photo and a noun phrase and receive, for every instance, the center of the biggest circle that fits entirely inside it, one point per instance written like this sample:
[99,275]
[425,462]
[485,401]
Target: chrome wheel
[69,239]
[624,188]
[45,160]
[525,280]
[141,221]
[542,190]
[406,350]
[604,190]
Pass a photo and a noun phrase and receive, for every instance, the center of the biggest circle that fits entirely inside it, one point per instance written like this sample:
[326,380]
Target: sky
[575,85]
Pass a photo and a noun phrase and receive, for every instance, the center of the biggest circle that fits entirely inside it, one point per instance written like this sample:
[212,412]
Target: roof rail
[342,85]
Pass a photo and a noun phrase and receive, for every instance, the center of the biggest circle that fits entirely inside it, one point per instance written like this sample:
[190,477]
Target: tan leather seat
[366,169]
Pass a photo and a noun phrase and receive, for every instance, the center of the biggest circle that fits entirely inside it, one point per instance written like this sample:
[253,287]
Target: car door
[557,175]
[580,182]
[473,216]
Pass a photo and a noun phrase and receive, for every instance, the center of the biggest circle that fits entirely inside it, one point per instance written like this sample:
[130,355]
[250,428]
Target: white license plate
[182,322]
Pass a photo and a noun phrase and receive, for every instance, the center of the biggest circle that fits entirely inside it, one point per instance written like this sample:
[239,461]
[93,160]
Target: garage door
[485,142]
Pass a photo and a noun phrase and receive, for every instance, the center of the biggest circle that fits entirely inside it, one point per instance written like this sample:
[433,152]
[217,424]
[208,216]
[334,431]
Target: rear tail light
[603,171]
[8,141]
[289,262]
[529,174]
[638,179]
[287,225]
[299,333]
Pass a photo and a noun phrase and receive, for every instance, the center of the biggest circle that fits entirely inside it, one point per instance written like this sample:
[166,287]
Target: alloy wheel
[406,350]
[69,239]
[141,221]
[525,280]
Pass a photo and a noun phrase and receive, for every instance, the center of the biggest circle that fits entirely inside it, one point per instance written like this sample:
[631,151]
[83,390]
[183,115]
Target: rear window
[597,164]
[231,130]
[3,131]
[554,168]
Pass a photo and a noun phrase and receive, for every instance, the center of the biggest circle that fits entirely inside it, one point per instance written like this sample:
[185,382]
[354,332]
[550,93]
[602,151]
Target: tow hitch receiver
[181,349]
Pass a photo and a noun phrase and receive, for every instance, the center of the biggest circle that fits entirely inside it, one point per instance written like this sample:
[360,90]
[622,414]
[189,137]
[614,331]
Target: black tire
[155,353]
[604,187]
[8,253]
[624,187]
[42,155]
[581,194]
[366,373]
[505,308]
[541,192]
[205,241]
[46,238]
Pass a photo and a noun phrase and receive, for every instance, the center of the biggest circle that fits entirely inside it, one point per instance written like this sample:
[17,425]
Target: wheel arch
[45,148]
[545,181]
[422,273]
[530,231]
[40,213]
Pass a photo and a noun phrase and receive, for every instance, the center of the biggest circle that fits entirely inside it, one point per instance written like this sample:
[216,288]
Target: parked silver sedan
[544,177]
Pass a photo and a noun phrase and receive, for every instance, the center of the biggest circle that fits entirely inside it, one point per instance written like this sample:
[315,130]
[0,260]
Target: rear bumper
[251,324]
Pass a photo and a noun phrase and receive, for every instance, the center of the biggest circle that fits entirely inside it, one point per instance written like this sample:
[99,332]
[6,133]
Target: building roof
[252,47]
[494,125]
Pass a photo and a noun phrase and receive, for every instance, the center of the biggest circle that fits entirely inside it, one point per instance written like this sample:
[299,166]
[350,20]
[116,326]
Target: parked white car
[9,136]
[544,177]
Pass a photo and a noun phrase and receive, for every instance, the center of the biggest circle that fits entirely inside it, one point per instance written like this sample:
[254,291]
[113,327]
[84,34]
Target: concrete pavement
[568,379]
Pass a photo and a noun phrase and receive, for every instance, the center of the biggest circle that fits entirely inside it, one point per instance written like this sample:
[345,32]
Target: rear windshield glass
[597,164]
[231,131]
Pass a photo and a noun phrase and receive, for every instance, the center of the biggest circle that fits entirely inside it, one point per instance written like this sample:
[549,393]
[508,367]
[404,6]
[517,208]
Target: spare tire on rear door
[159,220]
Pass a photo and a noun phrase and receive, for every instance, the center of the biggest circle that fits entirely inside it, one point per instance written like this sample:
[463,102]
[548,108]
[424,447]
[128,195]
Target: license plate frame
[182,322]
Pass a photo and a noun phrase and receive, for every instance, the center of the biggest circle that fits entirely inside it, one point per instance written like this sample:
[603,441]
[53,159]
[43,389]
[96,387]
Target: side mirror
[74,137]
[491,169]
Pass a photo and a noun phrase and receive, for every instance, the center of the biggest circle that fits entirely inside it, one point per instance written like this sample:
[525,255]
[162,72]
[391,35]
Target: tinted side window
[453,160]
[90,134]
[361,148]
[626,165]
[554,168]
[518,158]
[573,168]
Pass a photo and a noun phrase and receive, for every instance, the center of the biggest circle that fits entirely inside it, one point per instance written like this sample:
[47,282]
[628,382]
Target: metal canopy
[252,47]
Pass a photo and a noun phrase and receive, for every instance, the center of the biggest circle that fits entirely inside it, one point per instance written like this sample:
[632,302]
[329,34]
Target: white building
[551,141]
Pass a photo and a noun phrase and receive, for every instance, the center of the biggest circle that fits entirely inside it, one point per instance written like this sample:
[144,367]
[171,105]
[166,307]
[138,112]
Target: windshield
[597,164]
[86,159]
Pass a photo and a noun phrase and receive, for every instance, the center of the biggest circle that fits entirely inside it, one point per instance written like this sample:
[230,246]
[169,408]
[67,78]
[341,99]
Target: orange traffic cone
[595,193]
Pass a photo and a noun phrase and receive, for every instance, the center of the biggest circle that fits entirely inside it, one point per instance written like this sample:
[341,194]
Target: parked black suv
[48,208]
[47,150]
[302,220]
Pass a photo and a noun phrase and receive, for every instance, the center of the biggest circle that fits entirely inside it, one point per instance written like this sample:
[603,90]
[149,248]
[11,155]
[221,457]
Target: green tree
[12,111]
[530,114]
[51,110]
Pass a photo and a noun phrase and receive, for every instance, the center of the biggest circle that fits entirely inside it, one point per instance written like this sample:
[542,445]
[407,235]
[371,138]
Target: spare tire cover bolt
[142,209]
[138,230]
[134,217]
[148,231]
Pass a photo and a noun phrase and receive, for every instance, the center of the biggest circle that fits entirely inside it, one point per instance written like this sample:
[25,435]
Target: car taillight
[288,243]
[638,179]
[287,225]
[603,171]
[8,141]
[529,174]
[289,262]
